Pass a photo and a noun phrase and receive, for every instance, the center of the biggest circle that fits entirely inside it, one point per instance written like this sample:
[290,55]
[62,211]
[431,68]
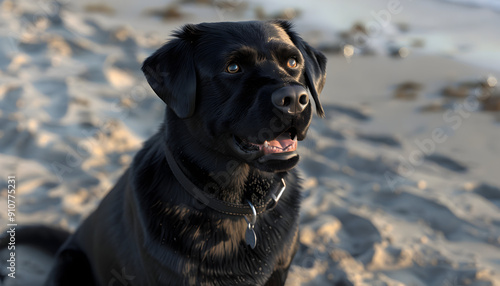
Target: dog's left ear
[315,65]
[171,73]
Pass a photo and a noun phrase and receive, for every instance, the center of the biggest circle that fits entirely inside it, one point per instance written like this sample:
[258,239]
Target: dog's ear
[171,73]
[315,65]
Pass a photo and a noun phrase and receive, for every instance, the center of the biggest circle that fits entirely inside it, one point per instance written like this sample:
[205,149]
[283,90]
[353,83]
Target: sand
[401,177]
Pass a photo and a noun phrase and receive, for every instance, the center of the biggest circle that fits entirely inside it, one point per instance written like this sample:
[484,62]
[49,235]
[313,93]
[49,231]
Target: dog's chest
[216,251]
[233,261]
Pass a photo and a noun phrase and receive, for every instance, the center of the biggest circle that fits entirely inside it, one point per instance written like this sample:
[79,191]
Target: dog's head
[241,88]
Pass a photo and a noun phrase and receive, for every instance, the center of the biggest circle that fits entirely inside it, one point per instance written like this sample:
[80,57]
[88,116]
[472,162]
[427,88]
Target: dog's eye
[232,68]
[292,63]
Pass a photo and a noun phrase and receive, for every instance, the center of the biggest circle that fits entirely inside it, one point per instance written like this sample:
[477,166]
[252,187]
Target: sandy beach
[402,182]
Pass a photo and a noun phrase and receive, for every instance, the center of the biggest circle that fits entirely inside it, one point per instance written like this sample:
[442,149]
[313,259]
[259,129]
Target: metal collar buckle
[276,197]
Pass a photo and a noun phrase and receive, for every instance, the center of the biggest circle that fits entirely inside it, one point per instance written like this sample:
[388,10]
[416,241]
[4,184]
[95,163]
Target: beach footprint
[56,91]
[357,113]
[11,97]
[367,163]
[489,192]
[447,163]
[17,139]
[381,139]
[358,235]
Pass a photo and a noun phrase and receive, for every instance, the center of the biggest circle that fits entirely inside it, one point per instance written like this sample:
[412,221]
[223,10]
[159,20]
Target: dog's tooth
[266,144]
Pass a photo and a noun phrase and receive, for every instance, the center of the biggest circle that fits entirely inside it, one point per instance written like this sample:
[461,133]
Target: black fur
[148,230]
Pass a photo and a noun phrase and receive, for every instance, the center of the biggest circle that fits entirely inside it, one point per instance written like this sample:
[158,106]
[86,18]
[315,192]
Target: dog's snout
[290,99]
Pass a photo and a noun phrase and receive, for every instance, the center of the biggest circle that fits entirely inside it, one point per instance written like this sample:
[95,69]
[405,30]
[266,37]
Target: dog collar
[219,205]
[224,207]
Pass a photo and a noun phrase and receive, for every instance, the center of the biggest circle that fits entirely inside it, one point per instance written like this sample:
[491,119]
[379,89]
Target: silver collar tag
[250,236]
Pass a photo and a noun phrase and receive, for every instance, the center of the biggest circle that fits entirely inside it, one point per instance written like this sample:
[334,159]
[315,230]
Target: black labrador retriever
[212,198]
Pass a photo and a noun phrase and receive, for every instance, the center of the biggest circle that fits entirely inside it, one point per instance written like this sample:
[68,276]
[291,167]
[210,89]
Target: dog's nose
[291,99]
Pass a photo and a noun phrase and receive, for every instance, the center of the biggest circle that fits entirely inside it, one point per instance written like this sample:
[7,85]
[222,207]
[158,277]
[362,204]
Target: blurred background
[402,182]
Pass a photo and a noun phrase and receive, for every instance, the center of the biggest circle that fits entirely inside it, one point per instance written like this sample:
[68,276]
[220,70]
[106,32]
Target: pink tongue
[282,141]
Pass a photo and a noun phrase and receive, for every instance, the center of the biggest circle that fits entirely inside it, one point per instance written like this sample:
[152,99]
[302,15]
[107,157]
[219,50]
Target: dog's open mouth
[286,142]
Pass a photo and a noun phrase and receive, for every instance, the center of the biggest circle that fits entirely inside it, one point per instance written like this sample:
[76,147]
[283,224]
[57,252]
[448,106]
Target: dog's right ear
[171,73]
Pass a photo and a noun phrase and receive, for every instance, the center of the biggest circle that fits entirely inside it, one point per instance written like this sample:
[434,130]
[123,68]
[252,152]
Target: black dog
[211,199]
